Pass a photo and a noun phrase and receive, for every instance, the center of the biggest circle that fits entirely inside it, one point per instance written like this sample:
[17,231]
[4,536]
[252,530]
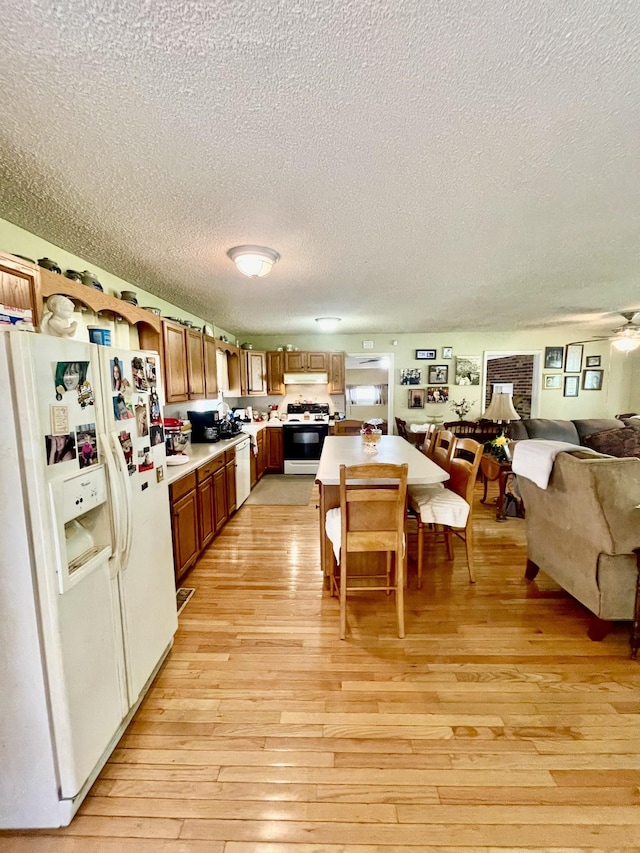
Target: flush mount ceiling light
[327,324]
[253,261]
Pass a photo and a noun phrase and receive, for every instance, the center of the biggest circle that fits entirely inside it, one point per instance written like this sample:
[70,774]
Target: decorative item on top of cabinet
[275,370]
[20,286]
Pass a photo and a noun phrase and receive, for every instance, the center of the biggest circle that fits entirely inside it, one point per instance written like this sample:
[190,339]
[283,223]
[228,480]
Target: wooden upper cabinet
[295,362]
[210,367]
[195,364]
[336,373]
[20,286]
[317,362]
[256,372]
[306,362]
[230,362]
[275,369]
[175,362]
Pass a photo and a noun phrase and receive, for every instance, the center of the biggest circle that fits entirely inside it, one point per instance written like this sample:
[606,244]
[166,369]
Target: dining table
[349,450]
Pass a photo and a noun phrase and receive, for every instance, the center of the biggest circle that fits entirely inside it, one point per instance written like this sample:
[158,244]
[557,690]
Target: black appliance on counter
[205,427]
[230,427]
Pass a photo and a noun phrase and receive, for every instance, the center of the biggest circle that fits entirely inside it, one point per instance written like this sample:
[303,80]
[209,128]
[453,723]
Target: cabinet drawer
[183,486]
[230,455]
[210,467]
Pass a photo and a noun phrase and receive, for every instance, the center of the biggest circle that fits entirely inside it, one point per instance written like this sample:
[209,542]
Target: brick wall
[517,369]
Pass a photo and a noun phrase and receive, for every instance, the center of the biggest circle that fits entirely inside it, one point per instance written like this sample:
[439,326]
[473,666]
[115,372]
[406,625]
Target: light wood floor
[495,725]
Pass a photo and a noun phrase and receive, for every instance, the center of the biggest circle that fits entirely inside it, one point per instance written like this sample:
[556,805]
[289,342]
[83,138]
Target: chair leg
[343,594]
[420,550]
[389,572]
[400,593]
[447,539]
[468,543]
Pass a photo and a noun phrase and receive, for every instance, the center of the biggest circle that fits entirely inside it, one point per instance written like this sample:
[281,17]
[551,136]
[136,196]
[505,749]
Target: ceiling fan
[625,338]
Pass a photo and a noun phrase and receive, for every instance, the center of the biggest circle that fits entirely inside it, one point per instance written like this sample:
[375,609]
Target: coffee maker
[205,426]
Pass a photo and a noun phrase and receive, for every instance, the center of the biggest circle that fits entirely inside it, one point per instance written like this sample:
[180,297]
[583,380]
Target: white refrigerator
[87,592]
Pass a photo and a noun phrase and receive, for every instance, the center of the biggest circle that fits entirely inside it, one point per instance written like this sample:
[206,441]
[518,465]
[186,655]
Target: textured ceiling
[418,164]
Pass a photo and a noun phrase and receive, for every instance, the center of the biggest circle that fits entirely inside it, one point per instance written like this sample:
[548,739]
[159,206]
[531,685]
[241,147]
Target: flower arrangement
[498,447]
[462,408]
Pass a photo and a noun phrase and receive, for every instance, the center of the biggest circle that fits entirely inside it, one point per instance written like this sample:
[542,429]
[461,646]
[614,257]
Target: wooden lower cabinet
[184,524]
[274,450]
[201,504]
[261,459]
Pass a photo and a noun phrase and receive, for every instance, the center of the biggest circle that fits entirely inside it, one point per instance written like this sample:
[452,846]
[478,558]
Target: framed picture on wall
[552,380]
[437,395]
[592,380]
[447,352]
[553,358]
[438,374]
[573,358]
[571,386]
[468,369]
[410,375]
[416,398]
[592,361]
[425,354]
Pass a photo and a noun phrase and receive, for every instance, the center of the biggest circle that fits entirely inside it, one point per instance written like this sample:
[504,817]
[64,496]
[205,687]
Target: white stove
[305,430]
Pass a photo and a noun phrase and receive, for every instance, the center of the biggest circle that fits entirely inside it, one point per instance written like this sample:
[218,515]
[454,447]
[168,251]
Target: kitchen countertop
[201,453]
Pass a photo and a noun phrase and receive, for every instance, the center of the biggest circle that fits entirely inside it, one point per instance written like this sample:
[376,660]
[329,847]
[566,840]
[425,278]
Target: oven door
[303,442]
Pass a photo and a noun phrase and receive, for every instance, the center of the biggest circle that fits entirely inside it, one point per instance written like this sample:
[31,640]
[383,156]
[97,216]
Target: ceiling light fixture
[253,261]
[327,324]
[626,344]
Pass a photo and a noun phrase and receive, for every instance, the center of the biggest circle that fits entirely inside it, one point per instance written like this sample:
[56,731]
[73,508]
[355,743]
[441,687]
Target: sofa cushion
[633,422]
[590,425]
[615,442]
[546,428]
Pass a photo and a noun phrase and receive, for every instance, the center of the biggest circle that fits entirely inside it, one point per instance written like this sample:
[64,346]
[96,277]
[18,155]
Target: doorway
[519,369]
[368,392]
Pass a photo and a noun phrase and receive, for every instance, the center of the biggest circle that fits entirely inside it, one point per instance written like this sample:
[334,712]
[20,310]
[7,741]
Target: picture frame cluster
[569,359]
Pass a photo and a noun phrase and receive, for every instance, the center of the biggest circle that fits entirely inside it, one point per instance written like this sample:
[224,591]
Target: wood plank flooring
[495,725]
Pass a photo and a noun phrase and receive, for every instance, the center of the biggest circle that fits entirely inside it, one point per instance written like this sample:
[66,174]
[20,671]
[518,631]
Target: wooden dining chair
[449,511]
[347,427]
[401,426]
[371,518]
[444,443]
[427,445]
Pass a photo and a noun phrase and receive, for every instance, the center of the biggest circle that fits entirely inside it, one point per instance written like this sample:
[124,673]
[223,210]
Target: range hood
[306,379]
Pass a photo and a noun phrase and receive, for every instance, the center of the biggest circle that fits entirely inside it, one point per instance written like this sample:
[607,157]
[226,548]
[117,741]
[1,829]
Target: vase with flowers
[499,448]
[462,407]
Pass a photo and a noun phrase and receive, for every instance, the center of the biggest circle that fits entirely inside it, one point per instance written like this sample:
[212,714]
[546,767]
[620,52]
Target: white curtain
[366,395]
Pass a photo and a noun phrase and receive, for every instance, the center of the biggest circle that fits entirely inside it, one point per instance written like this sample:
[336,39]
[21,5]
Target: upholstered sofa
[574,432]
[582,531]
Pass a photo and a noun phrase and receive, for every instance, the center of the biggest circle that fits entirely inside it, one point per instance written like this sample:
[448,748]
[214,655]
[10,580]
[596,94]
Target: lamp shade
[327,324]
[253,261]
[501,408]
[626,344]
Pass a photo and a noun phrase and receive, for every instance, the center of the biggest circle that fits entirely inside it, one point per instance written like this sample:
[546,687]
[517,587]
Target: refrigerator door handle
[127,509]
[117,503]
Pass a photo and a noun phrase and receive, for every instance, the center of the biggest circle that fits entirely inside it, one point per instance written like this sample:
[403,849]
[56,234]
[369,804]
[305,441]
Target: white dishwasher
[243,471]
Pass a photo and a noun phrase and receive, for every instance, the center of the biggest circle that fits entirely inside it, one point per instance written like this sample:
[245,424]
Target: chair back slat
[401,426]
[443,449]
[463,468]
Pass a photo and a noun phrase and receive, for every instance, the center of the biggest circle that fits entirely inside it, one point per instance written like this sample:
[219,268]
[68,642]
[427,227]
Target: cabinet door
[210,367]
[336,373]
[317,362]
[261,454]
[294,362]
[275,369]
[230,469]
[206,512]
[175,362]
[19,285]
[256,373]
[253,467]
[195,364]
[275,450]
[220,498]
[186,546]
